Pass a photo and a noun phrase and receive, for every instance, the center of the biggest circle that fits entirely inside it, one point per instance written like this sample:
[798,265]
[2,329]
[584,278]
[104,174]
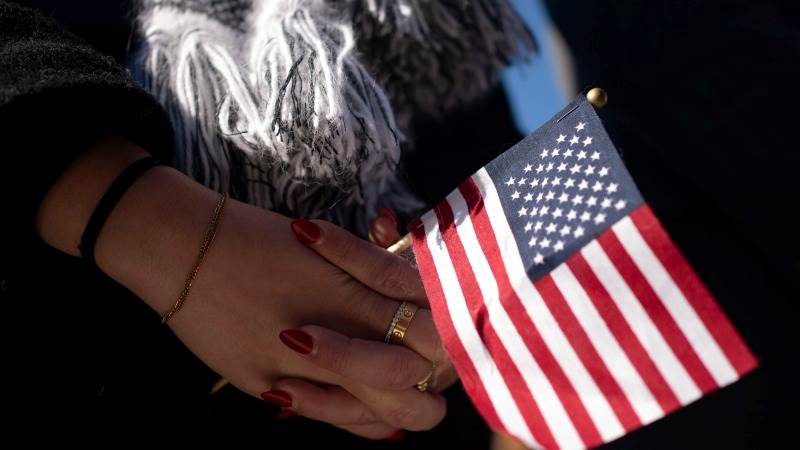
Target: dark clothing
[69,329]
[57,94]
[701,103]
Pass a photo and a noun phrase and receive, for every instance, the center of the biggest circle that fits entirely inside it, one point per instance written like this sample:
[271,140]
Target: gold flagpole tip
[597,97]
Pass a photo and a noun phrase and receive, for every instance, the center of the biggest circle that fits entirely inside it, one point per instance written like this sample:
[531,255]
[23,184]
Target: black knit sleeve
[57,96]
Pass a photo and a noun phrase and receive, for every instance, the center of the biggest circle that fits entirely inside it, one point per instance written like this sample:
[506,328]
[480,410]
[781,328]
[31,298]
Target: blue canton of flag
[561,187]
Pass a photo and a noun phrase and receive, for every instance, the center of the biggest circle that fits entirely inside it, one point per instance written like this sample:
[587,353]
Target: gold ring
[423,385]
[400,323]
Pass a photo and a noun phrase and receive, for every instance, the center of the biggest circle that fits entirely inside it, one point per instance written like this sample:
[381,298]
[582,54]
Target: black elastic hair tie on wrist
[108,202]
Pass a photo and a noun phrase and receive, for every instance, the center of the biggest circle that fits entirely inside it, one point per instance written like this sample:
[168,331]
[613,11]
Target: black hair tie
[108,202]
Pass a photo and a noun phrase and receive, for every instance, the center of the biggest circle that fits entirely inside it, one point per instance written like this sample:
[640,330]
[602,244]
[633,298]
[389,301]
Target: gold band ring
[400,323]
[423,385]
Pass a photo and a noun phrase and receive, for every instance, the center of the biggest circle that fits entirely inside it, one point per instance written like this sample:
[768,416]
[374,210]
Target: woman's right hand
[257,281]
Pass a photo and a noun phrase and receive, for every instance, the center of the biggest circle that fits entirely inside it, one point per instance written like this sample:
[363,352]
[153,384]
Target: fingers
[408,409]
[366,362]
[378,431]
[376,374]
[385,274]
[361,365]
[422,337]
[367,314]
[332,405]
[379,270]
[384,229]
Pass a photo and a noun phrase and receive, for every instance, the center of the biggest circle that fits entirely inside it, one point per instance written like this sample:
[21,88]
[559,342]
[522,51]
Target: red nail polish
[297,340]
[399,435]
[277,397]
[308,232]
[389,214]
[286,414]
[376,233]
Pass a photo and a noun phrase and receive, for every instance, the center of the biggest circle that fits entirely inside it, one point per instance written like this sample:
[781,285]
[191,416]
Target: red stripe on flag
[472,293]
[526,328]
[458,355]
[693,289]
[658,313]
[623,333]
[587,353]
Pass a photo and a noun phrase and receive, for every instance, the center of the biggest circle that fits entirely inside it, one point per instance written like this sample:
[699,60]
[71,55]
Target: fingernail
[378,231]
[277,397]
[297,340]
[383,226]
[389,214]
[399,435]
[308,232]
[286,414]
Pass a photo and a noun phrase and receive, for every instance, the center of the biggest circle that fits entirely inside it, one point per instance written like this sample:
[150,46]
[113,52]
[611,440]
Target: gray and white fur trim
[433,56]
[276,101]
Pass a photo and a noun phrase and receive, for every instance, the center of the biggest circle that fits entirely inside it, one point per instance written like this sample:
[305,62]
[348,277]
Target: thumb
[384,230]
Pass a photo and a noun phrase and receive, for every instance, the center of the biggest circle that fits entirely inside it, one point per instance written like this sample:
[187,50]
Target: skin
[257,280]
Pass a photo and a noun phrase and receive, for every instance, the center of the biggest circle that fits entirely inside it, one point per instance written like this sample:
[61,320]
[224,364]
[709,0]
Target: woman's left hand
[337,405]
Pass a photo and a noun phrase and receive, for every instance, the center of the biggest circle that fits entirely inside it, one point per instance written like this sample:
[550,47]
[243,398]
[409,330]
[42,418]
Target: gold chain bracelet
[208,239]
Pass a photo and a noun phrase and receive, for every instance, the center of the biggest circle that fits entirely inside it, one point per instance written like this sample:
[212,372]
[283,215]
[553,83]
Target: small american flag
[569,314]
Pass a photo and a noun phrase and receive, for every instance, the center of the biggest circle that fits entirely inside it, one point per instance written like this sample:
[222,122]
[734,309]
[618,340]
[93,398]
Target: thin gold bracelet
[208,239]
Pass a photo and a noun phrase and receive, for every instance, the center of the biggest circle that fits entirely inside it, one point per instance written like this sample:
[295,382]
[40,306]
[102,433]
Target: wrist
[152,237]
[65,210]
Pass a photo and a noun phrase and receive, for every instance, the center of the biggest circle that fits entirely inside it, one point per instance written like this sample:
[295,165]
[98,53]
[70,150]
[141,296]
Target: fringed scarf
[305,106]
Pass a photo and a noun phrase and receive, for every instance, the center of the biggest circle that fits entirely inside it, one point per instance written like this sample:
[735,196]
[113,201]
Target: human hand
[259,280]
[335,405]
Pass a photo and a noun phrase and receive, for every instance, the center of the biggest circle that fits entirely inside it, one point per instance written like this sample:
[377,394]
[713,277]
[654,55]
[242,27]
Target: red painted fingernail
[308,232]
[389,214]
[286,414]
[376,233]
[399,435]
[297,340]
[277,397]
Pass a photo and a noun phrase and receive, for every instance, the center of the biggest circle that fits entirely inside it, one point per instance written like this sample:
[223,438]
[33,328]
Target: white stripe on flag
[596,404]
[651,339]
[540,388]
[496,388]
[674,301]
[615,359]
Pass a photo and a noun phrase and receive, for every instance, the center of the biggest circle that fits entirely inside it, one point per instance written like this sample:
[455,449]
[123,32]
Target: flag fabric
[570,316]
